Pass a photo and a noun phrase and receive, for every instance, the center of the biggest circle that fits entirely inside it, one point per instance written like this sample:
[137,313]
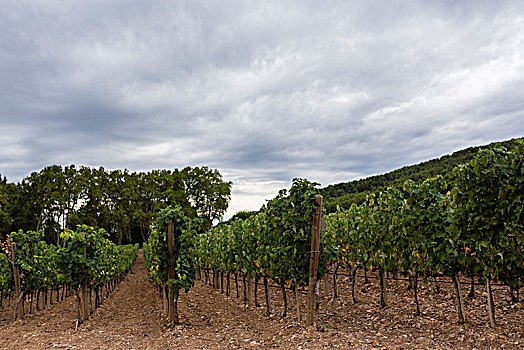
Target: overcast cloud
[262,90]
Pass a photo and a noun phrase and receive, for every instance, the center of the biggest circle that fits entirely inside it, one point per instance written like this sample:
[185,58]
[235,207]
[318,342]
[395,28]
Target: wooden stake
[245,286]
[297,301]
[255,294]
[18,290]
[382,287]
[249,290]
[80,318]
[491,304]
[414,275]
[236,284]
[335,285]
[460,299]
[283,289]
[38,299]
[266,290]
[326,284]
[313,262]
[85,304]
[227,284]
[354,290]
[171,272]
[317,295]
[165,305]
[18,306]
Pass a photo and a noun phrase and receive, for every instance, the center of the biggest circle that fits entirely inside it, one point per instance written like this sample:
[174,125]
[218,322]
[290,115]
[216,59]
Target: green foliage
[158,256]
[488,218]
[37,260]
[8,196]
[344,194]
[428,246]
[208,194]
[123,203]
[477,227]
[6,274]
[86,254]
[274,242]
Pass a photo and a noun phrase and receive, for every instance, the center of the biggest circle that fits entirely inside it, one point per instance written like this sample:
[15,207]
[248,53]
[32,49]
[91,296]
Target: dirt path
[131,318]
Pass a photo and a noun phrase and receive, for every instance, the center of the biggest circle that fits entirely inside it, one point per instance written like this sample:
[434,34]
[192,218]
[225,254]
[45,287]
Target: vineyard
[397,264]
[471,228]
[87,263]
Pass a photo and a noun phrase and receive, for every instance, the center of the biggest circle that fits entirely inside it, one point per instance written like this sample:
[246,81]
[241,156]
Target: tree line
[120,201]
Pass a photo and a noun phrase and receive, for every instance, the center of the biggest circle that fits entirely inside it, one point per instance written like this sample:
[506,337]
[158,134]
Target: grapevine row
[471,227]
[273,244]
[87,260]
[169,256]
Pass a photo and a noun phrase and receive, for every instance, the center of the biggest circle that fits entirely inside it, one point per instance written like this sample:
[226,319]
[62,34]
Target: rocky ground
[131,318]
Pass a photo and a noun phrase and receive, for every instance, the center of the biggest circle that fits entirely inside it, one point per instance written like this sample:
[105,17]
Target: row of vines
[169,256]
[273,245]
[88,261]
[473,227]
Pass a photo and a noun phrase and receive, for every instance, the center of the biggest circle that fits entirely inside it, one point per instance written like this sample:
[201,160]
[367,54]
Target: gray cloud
[264,91]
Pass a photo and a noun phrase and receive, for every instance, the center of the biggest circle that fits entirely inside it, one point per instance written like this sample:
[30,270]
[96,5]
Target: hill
[343,194]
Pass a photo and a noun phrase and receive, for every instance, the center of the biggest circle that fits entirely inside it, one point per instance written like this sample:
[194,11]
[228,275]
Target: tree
[207,193]
[8,197]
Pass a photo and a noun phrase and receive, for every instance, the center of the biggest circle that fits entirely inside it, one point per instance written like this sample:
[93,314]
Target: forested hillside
[343,194]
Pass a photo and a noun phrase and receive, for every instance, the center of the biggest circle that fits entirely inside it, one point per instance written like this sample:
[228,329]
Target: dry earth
[131,318]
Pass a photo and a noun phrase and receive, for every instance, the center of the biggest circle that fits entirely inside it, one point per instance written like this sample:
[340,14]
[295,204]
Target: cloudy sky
[264,91]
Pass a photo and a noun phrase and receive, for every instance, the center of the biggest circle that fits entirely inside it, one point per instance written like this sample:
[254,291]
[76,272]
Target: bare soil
[131,318]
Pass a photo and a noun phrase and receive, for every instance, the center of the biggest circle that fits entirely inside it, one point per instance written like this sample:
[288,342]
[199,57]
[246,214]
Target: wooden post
[266,291]
[297,301]
[249,289]
[165,304]
[18,289]
[335,285]
[283,289]
[228,283]
[460,300]
[326,284]
[171,271]
[354,290]
[491,304]
[383,287]
[245,286]
[85,303]
[313,262]
[236,283]
[414,273]
[317,295]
